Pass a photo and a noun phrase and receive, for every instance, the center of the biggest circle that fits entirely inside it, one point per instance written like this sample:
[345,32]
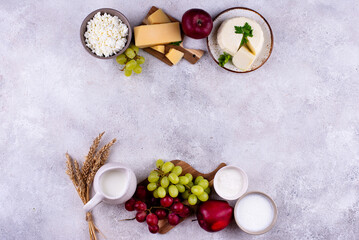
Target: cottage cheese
[106,35]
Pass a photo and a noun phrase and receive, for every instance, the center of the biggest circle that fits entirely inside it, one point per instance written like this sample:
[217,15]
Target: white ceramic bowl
[241,191]
[215,51]
[270,226]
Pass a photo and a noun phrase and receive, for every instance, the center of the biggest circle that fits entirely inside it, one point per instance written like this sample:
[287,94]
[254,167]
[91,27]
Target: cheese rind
[174,55]
[159,48]
[157,34]
[243,59]
[158,17]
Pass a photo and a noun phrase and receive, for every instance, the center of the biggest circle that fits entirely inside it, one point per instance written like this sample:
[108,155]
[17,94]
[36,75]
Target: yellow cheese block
[159,48]
[158,17]
[157,34]
[174,55]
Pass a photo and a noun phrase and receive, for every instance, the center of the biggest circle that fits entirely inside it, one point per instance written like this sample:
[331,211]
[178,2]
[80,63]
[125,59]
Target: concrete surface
[293,125]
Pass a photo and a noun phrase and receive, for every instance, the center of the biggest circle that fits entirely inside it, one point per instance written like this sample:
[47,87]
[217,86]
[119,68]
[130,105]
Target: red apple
[214,215]
[197,23]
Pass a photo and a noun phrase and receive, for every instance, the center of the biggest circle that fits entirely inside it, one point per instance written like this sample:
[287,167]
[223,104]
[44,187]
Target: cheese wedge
[174,55]
[229,41]
[159,48]
[158,17]
[243,59]
[157,34]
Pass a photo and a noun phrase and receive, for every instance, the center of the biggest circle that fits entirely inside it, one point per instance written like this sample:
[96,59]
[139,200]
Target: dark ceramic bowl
[112,12]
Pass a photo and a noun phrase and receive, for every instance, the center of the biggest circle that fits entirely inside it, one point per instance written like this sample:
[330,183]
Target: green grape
[173,191]
[199,178]
[130,65]
[173,178]
[159,163]
[130,53]
[183,180]
[161,192]
[190,184]
[177,170]
[203,183]
[167,167]
[153,177]
[189,176]
[140,60]
[155,193]
[137,69]
[134,48]
[128,72]
[192,199]
[207,190]
[151,186]
[180,188]
[197,190]
[185,194]
[165,182]
[121,59]
[203,197]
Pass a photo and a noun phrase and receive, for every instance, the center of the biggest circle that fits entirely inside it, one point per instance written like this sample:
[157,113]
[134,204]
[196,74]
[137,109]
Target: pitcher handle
[93,202]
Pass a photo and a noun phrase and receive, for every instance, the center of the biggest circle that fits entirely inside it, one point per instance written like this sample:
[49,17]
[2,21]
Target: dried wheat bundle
[82,177]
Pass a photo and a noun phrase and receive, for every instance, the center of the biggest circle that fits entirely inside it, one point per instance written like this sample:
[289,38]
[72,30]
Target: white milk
[254,212]
[229,182]
[113,182]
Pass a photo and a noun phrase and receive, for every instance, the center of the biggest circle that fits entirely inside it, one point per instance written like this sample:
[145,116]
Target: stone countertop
[292,125]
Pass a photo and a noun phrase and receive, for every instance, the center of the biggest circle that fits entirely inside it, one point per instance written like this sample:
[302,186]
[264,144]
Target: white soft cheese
[243,59]
[229,41]
[106,35]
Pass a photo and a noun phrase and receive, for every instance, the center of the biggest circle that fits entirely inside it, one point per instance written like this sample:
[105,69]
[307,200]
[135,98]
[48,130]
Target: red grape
[173,219]
[152,219]
[177,208]
[141,216]
[185,212]
[161,213]
[154,228]
[130,204]
[140,206]
[141,192]
[166,201]
[176,200]
[154,201]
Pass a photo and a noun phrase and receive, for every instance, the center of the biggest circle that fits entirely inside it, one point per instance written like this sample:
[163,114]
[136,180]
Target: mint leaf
[246,30]
[223,59]
[176,43]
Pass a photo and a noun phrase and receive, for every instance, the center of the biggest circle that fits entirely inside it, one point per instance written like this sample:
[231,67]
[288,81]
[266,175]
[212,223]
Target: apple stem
[194,220]
[199,22]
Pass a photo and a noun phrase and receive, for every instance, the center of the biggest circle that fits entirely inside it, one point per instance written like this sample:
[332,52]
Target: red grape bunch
[151,209]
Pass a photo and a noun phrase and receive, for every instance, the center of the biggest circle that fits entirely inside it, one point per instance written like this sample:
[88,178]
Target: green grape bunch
[169,179]
[131,60]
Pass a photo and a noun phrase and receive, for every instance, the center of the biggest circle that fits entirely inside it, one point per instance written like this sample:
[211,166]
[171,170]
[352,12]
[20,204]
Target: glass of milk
[113,184]
[255,213]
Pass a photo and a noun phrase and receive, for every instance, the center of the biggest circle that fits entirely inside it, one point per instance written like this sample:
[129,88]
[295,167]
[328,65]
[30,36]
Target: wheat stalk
[90,156]
[82,178]
[99,160]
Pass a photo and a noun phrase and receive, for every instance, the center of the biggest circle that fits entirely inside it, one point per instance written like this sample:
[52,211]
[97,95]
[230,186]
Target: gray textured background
[293,125]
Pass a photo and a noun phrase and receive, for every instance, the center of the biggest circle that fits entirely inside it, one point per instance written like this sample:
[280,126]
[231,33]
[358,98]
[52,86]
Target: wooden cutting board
[191,55]
[186,168]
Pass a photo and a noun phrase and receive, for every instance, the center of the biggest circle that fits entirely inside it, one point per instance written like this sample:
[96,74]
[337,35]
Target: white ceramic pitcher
[100,196]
